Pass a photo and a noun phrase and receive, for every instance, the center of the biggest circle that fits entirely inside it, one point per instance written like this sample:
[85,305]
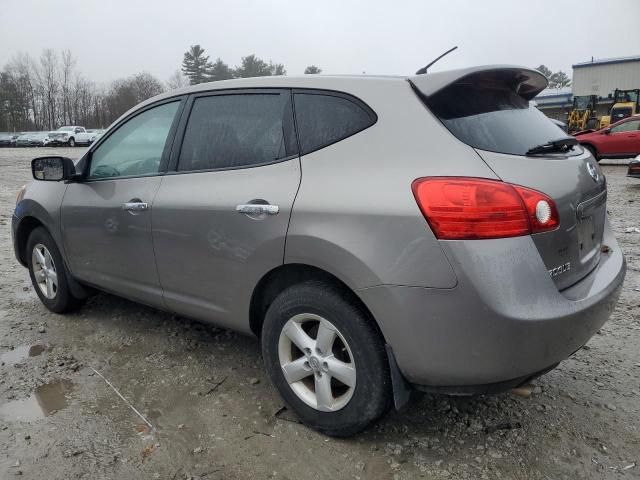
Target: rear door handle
[257,209]
[135,206]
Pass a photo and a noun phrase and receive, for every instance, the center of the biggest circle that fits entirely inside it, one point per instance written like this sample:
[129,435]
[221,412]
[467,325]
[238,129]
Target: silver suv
[378,234]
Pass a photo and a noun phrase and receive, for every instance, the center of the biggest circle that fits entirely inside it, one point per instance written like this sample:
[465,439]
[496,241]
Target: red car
[620,140]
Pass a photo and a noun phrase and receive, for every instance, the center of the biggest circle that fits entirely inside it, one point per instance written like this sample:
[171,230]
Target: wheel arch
[27,225]
[591,147]
[278,279]
[24,229]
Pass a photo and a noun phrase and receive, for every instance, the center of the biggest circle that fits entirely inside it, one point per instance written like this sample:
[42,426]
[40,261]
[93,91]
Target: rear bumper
[504,322]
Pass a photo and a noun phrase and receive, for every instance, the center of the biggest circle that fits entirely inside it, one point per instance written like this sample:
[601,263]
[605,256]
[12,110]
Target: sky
[114,38]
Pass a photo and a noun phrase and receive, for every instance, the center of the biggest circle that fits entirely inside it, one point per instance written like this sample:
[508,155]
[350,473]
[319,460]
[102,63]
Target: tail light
[460,208]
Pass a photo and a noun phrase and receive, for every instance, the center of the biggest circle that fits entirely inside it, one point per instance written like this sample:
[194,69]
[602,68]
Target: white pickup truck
[71,136]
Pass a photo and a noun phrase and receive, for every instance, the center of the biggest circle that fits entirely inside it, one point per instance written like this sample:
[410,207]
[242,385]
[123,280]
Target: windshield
[626,96]
[581,103]
[65,129]
[618,114]
[493,118]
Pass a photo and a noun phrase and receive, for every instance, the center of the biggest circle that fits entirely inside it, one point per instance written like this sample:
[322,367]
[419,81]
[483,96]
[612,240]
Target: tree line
[557,79]
[47,92]
[198,68]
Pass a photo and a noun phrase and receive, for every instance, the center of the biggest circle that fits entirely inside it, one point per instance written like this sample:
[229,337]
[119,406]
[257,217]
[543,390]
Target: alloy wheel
[317,362]
[44,271]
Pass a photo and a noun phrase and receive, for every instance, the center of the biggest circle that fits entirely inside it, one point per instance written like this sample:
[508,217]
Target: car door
[106,217]
[220,218]
[624,138]
[80,135]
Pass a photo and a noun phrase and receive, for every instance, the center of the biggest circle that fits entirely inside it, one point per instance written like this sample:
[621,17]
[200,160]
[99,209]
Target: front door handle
[135,206]
[257,209]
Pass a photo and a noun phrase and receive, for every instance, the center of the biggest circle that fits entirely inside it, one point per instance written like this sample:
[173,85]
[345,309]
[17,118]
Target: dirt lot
[215,415]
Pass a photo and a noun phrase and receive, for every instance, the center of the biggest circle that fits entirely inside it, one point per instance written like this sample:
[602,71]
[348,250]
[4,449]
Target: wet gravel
[212,413]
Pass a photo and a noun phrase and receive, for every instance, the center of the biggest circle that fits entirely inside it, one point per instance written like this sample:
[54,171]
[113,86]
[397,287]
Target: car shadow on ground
[436,425]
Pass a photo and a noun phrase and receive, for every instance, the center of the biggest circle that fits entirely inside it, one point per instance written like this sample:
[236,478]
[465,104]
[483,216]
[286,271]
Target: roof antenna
[423,70]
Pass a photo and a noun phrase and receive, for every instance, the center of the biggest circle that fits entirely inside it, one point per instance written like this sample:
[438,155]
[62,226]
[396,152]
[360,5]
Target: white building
[598,77]
[602,77]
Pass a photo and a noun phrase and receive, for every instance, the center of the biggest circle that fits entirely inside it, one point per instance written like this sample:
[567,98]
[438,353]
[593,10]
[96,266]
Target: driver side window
[136,147]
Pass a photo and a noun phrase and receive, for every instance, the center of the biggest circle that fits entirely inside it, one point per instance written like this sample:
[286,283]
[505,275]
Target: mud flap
[401,388]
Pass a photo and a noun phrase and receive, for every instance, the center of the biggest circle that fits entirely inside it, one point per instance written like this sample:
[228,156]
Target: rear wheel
[48,273]
[593,151]
[326,359]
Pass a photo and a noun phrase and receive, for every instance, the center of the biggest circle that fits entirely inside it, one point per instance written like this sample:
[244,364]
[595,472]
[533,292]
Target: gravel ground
[215,415]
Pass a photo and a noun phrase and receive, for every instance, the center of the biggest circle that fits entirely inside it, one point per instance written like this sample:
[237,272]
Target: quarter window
[324,119]
[629,126]
[136,147]
[238,130]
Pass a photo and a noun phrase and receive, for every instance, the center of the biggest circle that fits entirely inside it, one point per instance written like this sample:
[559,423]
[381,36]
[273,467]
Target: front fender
[42,202]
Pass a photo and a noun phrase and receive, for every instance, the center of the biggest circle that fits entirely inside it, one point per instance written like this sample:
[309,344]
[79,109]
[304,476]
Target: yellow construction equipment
[625,104]
[583,114]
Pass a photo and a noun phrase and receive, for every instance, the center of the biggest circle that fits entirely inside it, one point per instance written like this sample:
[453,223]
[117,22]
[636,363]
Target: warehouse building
[596,77]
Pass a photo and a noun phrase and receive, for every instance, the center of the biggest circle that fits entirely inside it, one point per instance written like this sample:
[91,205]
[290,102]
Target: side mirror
[52,169]
[606,131]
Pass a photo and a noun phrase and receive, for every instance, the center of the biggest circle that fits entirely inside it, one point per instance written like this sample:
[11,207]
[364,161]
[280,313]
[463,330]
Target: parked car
[33,139]
[634,168]
[96,133]
[620,140]
[14,138]
[24,139]
[39,139]
[386,234]
[70,136]
[5,139]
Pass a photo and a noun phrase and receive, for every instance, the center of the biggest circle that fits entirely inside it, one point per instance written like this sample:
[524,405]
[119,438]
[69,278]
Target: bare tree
[66,75]
[49,85]
[19,91]
[177,80]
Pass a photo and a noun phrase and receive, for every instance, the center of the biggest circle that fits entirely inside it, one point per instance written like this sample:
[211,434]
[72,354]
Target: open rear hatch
[489,109]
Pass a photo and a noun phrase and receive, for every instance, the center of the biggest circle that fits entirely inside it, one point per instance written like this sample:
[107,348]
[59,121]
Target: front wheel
[72,142]
[48,273]
[326,359]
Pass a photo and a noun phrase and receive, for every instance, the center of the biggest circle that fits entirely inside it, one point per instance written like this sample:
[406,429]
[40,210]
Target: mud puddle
[20,353]
[46,400]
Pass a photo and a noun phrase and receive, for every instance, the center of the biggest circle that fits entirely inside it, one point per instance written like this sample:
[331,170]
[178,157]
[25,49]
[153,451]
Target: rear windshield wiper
[560,145]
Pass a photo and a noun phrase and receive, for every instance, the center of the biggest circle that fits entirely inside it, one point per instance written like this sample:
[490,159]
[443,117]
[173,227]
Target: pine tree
[196,65]
[220,71]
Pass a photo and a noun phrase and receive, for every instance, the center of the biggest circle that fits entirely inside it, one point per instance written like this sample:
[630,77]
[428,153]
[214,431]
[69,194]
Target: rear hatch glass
[487,111]
[491,116]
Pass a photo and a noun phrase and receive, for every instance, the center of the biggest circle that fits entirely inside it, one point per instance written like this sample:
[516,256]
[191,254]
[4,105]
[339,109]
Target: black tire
[72,142]
[372,394]
[593,124]
[63,301]
[593,151]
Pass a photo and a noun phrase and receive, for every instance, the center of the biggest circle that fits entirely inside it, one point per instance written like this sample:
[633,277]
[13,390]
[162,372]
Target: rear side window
[493,118]
[238,130]
[325,118]
[630,126]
